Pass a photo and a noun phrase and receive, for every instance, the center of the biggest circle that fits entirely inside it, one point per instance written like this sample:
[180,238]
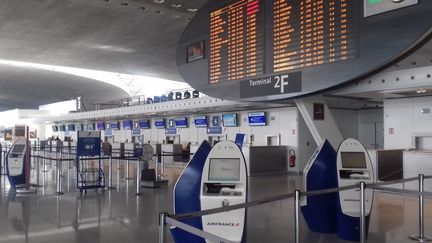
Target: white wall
[405,118]
[347,121]
[280,121]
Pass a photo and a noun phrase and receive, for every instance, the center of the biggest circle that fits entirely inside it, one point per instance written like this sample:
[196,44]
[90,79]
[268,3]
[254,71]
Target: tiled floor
[120,216]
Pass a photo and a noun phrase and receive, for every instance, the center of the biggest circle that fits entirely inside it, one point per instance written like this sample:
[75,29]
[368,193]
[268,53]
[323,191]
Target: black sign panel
[329,41]
[271,85]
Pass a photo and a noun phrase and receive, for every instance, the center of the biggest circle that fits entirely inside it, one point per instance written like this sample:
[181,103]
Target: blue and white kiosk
[15,163]
[353,166]
[319,211]
[215,177]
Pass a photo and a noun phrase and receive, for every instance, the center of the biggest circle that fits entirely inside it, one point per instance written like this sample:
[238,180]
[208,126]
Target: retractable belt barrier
[174,220]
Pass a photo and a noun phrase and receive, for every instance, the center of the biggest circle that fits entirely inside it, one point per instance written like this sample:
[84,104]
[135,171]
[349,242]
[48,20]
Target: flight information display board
[236,41]
[262,50]
[313,32]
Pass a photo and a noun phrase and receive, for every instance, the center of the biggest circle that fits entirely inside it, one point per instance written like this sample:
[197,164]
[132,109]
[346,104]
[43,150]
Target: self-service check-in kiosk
[224,183]
[212,179]
[319,211]
[15,163]
[353,166]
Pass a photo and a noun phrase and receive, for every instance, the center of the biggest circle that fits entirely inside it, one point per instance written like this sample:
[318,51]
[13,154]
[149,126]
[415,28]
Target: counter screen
[353,160]
[225,169]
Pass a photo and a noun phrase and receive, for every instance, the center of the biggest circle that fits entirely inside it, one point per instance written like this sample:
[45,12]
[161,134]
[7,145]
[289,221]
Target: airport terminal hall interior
[215,121]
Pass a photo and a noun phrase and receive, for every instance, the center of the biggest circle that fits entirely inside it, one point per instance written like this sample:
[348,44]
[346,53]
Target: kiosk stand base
[420,239]
[154,184]
[22,190]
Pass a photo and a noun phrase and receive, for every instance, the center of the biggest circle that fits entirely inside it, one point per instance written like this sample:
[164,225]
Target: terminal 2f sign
[271,85]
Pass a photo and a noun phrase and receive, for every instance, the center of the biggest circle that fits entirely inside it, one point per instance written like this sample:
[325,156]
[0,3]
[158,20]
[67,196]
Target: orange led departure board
[312,32]
[304,33]
[236,41]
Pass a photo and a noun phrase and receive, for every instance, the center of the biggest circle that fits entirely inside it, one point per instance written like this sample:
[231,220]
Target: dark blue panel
[239,139]
[16,180]
[187,194]
[349,227]
[320,211]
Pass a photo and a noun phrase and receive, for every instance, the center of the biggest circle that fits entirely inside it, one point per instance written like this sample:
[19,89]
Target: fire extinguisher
[292,158]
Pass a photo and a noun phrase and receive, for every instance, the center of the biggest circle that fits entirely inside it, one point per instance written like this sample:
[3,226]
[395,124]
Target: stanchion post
[138,179]
[362,213]
[110,184]
[162,227]
[59,179]
[421,236]
[157,167]
[163,166]
[297,216]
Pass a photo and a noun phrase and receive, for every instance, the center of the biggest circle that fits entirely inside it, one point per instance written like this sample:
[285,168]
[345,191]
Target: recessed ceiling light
[175,5]
[192,10]
[159,1]
[421,91]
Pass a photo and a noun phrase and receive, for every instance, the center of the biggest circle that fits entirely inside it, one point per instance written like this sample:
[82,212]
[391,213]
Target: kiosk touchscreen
[353,166]
[15,163]
[224,183]
[319,211]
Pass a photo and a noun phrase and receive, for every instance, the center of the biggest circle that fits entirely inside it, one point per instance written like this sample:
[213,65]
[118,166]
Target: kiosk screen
[19,148]
[224,169]
[353,160]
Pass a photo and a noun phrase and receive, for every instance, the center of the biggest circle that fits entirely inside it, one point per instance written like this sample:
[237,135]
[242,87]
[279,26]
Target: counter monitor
[224,169]
[353,160]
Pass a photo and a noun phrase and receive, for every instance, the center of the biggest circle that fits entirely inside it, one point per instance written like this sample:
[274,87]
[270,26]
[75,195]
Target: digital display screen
[257,119]
[55,128]
[100,126]
[200,121]
[181,122]
[236,41]
[136,125]
[305,33]
[144,124]
[90,127]
[160,123]
[70,128]
[115,126]
[309,33]
[127,124]
[62,128]
[353,160]
[78,127]
[229,120]
[195,52]
[224,169]
[18,148]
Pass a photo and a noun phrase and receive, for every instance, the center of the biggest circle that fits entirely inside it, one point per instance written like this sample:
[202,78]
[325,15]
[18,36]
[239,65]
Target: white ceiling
[129,36]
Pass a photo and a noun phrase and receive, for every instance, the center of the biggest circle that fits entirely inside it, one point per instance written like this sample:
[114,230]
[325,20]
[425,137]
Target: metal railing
[166,219]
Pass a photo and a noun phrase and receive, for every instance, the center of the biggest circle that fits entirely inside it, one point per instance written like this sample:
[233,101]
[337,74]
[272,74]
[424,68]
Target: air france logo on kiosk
[271,85]
[223,224]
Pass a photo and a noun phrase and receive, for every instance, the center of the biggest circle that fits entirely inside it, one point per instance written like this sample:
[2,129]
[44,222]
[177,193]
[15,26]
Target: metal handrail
[174,220]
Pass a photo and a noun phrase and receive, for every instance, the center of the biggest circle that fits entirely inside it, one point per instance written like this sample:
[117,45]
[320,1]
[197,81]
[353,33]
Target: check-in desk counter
[168,150]
[417,162]
[118,149]
[267,159]
[129,148]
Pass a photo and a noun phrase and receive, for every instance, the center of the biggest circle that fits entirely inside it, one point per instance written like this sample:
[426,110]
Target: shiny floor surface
[119,215]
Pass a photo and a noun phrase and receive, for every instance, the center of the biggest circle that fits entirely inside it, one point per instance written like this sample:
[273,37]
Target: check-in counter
[267,159]
[417,162]
[172,149]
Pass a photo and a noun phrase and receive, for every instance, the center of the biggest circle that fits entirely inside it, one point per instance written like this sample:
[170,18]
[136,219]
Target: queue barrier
[166,219]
